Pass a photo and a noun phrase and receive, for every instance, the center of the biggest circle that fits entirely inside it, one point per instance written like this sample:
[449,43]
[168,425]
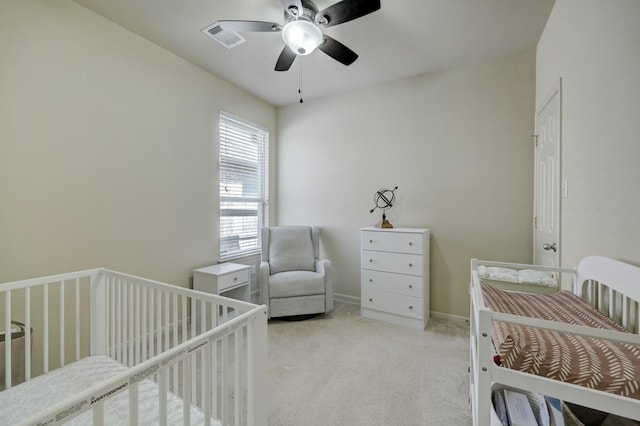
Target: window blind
[243,185]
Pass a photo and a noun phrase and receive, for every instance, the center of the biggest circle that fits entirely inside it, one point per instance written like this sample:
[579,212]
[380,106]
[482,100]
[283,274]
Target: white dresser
[394,278]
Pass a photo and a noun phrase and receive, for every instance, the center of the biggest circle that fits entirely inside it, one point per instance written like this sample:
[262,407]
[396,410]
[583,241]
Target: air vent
[228,39]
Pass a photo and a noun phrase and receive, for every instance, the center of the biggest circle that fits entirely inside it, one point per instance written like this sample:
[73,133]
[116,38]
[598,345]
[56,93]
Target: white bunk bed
[104,347]
[609,286]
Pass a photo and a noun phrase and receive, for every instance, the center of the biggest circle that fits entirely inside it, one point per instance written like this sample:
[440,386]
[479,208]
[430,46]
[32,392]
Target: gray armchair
[293,280]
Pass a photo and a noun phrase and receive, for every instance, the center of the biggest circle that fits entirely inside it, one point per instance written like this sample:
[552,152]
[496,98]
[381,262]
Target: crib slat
[61,326]
[98,413]
[194,381]
[175,331]
[237,339]
[118,302]
[158,321]
[151,323]
[138,340]
[27,341]
[133,404]
[186,390]
[163,381]
[184,320]
[130,321]
[612,312]
[77,321]
[7,340]
[45,331]
[224,398]
[112,320]
[206,381]
[625,312]
[251,391]
[144,324]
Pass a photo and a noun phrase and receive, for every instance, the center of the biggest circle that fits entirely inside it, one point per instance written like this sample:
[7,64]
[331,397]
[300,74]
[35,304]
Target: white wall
[107,147]
[456,142]
[594,47]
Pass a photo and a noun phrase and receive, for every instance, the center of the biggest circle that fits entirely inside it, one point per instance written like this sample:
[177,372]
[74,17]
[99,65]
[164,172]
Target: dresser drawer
[400,242]
[398,304]
[233,279]
[410,264]
[410,285]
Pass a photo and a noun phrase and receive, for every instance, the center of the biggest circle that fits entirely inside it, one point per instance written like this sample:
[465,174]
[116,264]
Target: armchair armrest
[325,268]
[263,277]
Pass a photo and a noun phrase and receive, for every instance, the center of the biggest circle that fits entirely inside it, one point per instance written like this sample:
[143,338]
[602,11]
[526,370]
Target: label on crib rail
[144,373]
[71,410]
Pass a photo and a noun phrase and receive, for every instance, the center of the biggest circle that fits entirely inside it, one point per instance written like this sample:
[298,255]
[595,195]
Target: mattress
[22,401]
[598,364]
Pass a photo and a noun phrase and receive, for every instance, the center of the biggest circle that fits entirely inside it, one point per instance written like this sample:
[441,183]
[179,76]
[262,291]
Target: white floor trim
[346,299]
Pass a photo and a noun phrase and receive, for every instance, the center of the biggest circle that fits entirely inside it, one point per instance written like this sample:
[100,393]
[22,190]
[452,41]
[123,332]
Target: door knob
[548,246]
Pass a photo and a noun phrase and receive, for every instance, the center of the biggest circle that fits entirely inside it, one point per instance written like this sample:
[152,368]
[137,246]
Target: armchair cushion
[296,283]
[291,249]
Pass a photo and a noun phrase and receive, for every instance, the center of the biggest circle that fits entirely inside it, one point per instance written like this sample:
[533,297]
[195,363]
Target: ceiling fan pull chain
[300,77]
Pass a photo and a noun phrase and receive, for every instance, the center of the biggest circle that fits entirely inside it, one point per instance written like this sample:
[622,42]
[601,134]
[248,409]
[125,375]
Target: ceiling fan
[302,32]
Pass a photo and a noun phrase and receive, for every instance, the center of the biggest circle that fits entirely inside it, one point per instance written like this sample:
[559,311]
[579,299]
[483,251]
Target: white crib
[104,347]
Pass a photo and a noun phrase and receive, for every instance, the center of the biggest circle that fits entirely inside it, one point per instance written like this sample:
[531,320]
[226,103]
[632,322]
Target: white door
[546,223]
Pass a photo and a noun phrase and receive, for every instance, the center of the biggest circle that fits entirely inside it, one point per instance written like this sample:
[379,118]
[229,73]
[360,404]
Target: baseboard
[449,317]
[346,299]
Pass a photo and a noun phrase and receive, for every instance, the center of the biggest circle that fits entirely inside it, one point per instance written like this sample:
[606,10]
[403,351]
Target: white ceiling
[403,38]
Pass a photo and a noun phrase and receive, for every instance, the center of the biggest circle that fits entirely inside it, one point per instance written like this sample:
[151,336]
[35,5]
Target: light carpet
[341,369]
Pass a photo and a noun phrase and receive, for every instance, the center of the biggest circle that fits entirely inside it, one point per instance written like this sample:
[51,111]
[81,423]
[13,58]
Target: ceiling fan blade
[289,4]
[250,26]
[346,10]
[338,51]
[286,58]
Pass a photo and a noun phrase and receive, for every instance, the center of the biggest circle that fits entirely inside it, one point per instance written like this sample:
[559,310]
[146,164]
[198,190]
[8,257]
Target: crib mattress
[22,401]
[603,365]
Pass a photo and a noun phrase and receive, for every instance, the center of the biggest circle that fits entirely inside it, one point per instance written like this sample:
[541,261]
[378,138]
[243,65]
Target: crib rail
[208,350]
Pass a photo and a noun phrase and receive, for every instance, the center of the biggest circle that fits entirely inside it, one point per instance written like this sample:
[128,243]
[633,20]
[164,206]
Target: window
[244,174]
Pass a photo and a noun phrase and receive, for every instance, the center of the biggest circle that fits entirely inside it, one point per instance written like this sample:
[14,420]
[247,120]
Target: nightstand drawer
[410,264]
[233,279]
[409,285]
[397,304]
[400,242]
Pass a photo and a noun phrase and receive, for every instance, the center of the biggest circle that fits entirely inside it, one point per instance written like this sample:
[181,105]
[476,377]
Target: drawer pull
[370,260]
[410,286]
[235,278]
[370,280]
[410,243]
[370,241]
[410,265]
[370,300]
[410,307]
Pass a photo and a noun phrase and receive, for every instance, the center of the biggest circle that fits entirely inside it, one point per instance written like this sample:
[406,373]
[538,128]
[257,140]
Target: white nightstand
[232,279]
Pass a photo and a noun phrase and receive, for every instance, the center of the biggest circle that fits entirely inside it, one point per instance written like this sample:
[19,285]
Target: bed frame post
[98,313]
[485,366]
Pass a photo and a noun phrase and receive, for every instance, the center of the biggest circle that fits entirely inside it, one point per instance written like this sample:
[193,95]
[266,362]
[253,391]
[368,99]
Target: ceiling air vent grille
[228,39]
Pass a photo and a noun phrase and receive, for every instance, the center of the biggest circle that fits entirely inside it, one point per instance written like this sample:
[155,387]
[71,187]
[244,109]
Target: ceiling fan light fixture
[302,36]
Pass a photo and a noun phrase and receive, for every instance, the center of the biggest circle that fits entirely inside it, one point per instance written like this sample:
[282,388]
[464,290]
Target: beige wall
[107,147]
[594,47]
[456,142]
